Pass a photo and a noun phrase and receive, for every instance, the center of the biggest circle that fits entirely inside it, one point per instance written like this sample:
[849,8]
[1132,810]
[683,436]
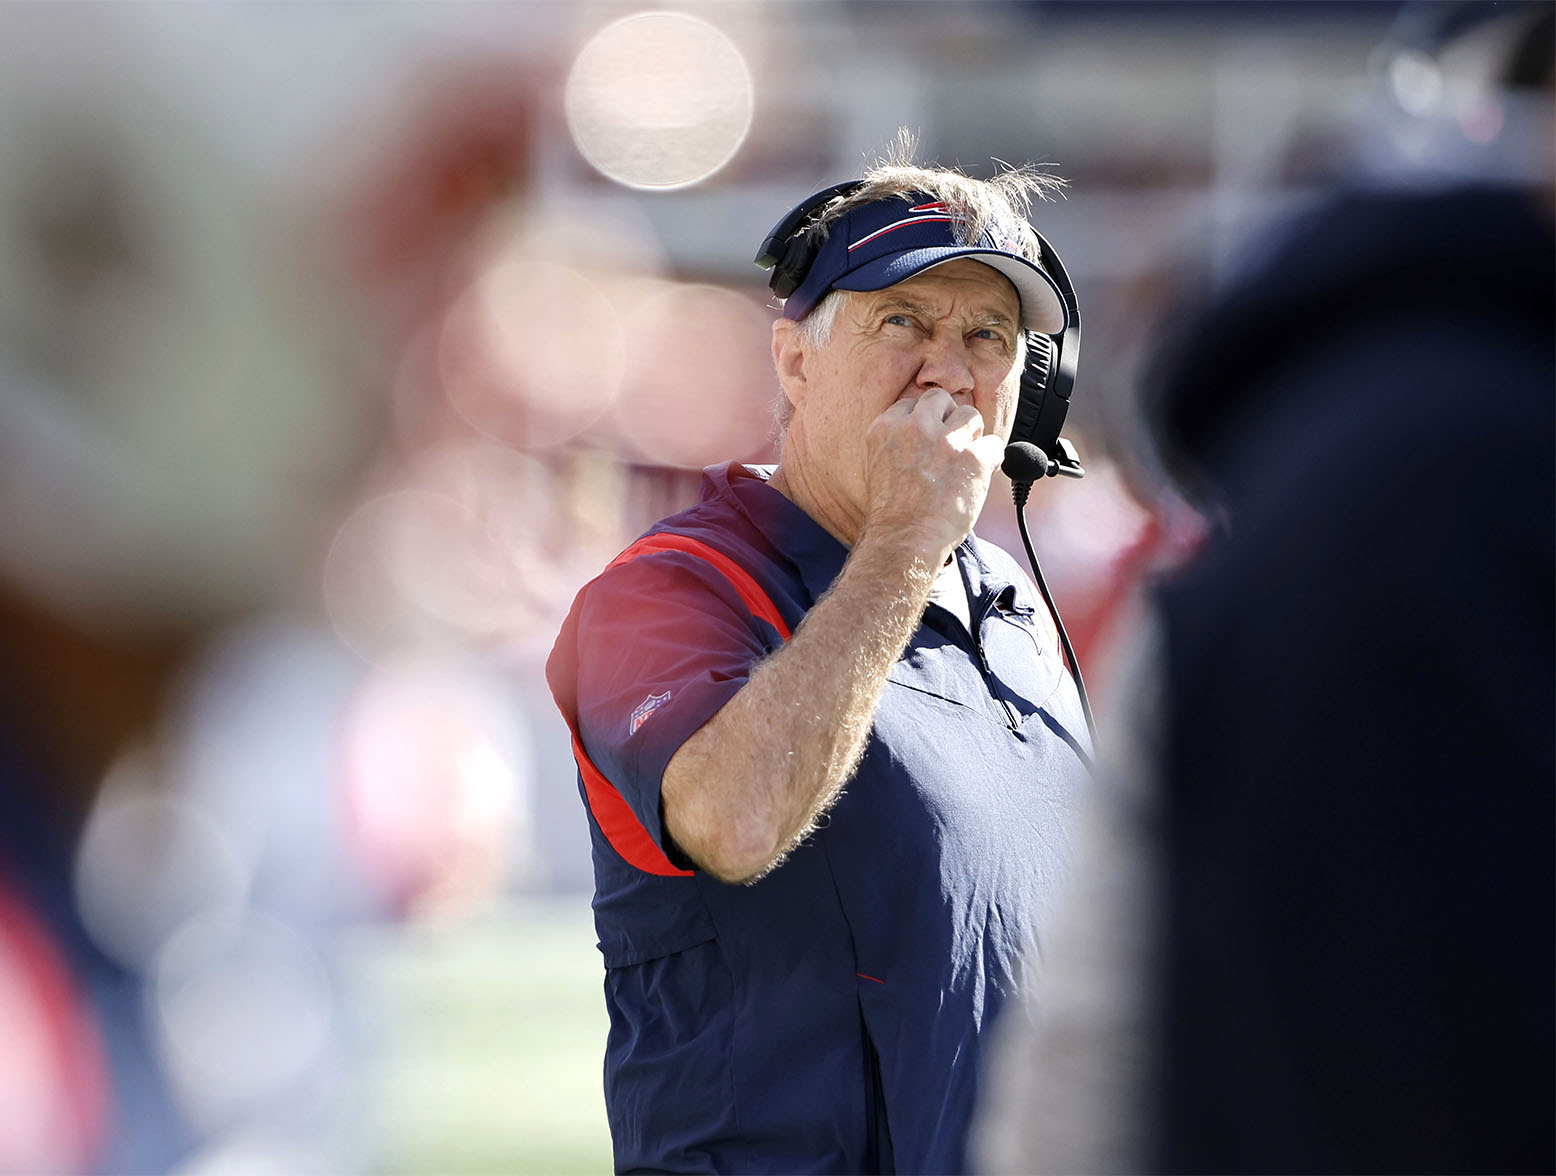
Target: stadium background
[339,344]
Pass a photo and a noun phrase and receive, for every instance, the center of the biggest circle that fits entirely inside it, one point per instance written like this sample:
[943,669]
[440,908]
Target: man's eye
[899,320]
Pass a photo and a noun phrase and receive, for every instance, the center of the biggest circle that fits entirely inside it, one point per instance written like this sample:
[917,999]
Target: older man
[824,734]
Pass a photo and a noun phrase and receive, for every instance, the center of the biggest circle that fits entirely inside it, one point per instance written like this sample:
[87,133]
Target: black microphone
[1024,464]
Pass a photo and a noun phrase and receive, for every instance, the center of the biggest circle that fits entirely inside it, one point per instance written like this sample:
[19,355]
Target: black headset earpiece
[789,249]
[1048,378]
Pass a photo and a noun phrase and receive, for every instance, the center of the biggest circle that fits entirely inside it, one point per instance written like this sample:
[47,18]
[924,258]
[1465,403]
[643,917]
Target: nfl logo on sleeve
[647,707]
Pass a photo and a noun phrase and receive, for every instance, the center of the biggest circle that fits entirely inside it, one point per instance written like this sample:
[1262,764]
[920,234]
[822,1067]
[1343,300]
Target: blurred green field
[480,1045]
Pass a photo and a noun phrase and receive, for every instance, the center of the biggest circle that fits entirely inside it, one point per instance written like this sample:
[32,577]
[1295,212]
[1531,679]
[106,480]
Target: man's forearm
[751,783]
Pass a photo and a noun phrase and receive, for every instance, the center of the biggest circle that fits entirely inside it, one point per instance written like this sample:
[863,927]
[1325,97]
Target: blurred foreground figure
[1358,766]
[1348,842]
[825,734]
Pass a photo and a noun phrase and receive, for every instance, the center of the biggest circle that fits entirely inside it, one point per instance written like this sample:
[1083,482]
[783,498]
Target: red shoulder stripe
[612,813]
[750,591]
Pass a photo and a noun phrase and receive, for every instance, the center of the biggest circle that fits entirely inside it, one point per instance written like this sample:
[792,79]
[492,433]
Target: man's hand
[928,473]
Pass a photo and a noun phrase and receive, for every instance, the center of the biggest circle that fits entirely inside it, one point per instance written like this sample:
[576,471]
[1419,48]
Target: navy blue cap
[888,241]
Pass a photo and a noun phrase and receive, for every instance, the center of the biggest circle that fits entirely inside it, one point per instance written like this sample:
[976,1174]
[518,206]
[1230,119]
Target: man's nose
[945,365]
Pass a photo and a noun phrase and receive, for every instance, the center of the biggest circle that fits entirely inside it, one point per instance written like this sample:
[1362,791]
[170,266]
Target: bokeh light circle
[532,354]
[244,1009]
[659,100]
[434,775]
[474,542]
[148,862]
[699,386]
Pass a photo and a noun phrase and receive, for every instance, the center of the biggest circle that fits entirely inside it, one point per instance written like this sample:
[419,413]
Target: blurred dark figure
[1356,761]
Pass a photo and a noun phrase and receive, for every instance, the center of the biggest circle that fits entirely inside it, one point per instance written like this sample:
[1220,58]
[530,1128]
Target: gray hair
[816,330]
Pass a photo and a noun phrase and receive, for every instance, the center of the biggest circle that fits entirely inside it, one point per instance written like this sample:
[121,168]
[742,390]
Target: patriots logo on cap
[920,214]
[647,707]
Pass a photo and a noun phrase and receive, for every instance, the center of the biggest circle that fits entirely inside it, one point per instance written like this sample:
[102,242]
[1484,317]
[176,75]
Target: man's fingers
[965,419]
[936,403]
[940,407]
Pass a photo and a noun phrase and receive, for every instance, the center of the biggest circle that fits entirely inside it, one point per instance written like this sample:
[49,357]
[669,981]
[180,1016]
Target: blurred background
[339,346]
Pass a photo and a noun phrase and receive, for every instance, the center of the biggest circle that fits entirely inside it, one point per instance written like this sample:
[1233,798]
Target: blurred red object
[460,149]
[53,1070]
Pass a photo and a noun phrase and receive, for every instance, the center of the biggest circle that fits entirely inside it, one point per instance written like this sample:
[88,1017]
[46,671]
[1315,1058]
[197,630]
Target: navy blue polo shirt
[829,1017]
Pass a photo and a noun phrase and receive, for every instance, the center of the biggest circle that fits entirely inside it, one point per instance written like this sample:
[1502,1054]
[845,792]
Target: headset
[1048,377]
[1035,449]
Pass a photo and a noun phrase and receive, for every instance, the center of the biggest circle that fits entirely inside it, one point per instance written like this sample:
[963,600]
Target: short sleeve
[664,641]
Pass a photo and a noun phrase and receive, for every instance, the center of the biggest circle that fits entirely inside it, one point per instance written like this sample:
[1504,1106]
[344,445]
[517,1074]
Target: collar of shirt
[815,554]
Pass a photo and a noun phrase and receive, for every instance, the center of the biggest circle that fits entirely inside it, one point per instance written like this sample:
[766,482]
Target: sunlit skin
[954,328]
[900,420]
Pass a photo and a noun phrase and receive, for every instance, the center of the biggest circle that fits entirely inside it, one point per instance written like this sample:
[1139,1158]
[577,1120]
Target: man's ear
[789,356]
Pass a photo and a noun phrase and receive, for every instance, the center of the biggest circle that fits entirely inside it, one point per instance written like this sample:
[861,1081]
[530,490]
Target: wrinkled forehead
[966,282]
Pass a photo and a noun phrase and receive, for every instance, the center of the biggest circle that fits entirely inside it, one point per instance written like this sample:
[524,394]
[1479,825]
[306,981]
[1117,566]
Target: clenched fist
[929,464]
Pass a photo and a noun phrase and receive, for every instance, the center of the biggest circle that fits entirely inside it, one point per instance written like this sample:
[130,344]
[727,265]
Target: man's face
[956,327]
